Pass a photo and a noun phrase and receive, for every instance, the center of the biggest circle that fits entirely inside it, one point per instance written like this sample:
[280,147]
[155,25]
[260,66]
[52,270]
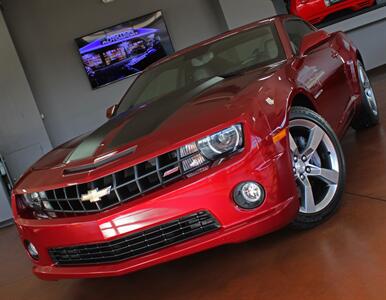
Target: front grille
[125,185]
[139,243]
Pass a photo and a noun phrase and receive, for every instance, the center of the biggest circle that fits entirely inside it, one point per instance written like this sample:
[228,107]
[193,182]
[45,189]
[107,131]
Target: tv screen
[123,50]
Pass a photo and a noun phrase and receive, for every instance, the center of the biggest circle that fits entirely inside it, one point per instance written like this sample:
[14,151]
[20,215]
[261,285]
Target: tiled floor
[344,258]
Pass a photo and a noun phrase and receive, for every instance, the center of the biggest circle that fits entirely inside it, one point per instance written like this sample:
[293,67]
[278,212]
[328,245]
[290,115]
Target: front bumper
[209,191]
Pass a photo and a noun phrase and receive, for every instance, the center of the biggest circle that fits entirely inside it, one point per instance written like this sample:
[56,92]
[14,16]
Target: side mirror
[313,40]
[110,112]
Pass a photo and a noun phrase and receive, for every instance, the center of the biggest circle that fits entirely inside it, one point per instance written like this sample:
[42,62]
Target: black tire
[368,115]
[310,220]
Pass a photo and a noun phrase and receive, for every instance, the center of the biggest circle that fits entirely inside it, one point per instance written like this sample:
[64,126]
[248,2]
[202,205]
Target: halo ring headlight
[222,142]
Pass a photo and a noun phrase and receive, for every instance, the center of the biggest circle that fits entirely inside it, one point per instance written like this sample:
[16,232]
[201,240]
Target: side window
[296,30]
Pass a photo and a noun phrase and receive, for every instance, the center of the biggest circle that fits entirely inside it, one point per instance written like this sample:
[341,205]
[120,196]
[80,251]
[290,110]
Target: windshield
[256,47]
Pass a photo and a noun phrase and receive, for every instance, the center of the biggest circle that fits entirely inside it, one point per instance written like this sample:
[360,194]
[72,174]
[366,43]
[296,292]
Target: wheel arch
[359,57]
[301,99]
[297,97]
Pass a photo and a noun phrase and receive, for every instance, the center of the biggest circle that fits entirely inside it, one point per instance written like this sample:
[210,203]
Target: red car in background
[315,11]
[219,143]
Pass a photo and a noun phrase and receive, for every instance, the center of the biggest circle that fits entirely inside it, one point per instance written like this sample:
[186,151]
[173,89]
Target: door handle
[334,54]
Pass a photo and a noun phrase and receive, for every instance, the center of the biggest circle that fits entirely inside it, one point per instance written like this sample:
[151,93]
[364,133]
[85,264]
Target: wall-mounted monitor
[125,49]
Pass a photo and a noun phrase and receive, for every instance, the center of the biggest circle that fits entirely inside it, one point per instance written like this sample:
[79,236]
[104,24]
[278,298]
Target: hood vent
[99,162]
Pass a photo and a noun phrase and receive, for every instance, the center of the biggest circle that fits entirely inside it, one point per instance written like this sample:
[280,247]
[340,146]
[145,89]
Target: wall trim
[359,21]
[6,223]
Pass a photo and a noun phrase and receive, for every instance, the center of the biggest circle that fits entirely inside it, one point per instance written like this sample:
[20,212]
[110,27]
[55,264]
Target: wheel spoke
[327,175]
[308,201]
[365,80]
[293,146]
[316,136]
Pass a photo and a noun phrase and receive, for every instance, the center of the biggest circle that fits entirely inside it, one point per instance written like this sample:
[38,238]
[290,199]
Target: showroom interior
[63,63]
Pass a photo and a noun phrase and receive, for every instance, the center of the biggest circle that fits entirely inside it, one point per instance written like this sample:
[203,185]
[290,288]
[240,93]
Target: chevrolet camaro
[315,11]
[222,142]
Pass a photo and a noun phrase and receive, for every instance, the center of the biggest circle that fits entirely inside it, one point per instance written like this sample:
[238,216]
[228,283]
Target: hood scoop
[99,162]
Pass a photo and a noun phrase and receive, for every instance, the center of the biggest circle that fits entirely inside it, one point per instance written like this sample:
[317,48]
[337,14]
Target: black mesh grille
[125,185]
[139,243]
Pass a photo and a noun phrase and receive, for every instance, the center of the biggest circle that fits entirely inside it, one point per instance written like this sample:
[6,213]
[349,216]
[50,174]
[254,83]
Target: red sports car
[219,143]
[315,11]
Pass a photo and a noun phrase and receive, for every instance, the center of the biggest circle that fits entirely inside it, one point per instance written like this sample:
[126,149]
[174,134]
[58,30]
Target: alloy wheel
[315,165]
[368,90]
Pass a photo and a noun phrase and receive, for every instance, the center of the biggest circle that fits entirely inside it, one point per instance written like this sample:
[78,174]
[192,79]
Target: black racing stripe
[91,143]
[152,116]
[140,122]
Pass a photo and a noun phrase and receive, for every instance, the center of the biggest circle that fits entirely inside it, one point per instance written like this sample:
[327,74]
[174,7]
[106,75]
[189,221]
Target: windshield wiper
[246,69]
[239,71]
[231,74]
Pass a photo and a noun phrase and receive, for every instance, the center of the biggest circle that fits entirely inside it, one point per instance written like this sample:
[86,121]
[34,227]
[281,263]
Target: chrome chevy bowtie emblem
[96,195]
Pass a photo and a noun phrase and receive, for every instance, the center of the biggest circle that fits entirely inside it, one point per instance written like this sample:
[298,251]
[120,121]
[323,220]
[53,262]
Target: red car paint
[242,99]
[315,11]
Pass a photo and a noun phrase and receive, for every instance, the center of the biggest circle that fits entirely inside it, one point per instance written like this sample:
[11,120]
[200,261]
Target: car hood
[144,130]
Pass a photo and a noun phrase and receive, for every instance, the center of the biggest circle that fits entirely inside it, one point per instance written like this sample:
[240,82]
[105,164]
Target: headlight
[198,154]
[220,143]
[33,204]
[33,200]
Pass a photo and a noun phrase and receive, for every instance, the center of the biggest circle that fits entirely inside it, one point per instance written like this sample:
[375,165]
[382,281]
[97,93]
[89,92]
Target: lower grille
[137,244]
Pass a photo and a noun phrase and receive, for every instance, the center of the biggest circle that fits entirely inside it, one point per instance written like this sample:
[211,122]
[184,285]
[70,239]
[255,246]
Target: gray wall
[371,40]
[44,31]
[368,33]
[23,138]
[241,12]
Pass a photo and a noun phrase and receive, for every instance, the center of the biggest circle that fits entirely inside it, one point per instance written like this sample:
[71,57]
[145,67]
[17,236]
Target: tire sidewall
[365,106]
[318,217]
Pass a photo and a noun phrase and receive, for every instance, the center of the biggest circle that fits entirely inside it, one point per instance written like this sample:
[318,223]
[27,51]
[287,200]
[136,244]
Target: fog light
[249,195]
[32,250]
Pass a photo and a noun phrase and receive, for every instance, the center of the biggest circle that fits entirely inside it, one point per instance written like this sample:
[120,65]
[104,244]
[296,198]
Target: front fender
[276,97]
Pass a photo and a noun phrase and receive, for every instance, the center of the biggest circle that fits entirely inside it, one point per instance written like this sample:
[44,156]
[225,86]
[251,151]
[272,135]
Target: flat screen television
[125,49]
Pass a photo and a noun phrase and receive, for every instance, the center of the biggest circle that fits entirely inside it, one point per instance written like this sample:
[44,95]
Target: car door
[321,72]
